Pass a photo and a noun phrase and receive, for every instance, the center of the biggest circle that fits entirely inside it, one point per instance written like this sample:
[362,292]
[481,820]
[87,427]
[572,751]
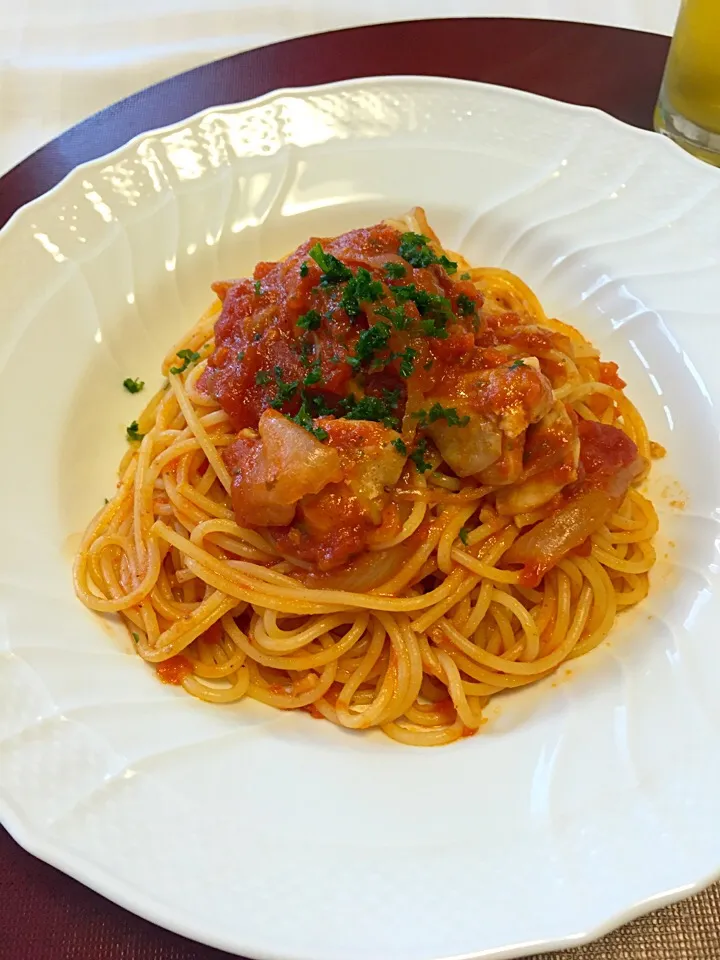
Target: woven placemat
[689,930]
[45,915]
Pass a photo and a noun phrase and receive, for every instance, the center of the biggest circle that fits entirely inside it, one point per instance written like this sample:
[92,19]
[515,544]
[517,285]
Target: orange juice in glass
[688,109]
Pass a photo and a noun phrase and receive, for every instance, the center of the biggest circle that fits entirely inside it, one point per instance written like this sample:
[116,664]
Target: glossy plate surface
[586,799]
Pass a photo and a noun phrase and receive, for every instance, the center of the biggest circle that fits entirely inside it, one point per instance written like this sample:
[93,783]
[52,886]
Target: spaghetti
[378,485]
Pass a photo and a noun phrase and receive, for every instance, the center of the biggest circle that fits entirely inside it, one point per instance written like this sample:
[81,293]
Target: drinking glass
[688,108]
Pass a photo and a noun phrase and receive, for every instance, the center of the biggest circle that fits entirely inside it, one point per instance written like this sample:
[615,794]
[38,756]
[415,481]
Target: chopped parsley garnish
[466,305]
[306,349]
[334,271]
[395,270]
[373,408]
[310,320]
[428,363]
[439,412]
[303,419]
[415,248]
[434,327]
[241,355]
[187,357]
[435,310]
[399,445]
[463,534]
[285,390]
[262,378]
[517,363]
[133,386]
[133,432]
[465,276]
[257,336]
[258,288]
[136,637]
[304,268]
[371,340]
[315,402]
[418,456]
[313,375]
[407,361]
[396,316]
[360,289]
[450,265]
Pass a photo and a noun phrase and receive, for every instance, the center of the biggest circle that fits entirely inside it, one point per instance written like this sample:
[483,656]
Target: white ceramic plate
[587,799]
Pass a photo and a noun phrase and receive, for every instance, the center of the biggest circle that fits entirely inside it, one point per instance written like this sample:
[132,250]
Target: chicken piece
[552,452]
[371,463]
[610,463]
[273,471]
[495,408]
[333,524]
[509,467]
[515,395]
[468,449]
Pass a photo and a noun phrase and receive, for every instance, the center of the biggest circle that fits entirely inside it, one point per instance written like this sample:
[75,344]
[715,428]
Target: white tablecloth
[61,60]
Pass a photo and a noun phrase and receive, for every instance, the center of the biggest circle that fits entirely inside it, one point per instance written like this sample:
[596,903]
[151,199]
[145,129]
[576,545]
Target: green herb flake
[369,342]
[449,265]
[262,378]
[316,403]
[395,270]
[434,327]
[407,361]
[285,390]
[465,276]
[258,288]
[241,355]
[418,456]
[313,375]
[334,271]
[517,363]
[439,412]
[434,309]
[133,386]
[257,336]
[304,420]
[306,350]
[463,535]
[399,445]
[360,289]
[428,363]
[416,249]
[378,409]
[187,357]
[466,305]
[304,268]
[136,637]
[133,432]
[310,320]
[396,316]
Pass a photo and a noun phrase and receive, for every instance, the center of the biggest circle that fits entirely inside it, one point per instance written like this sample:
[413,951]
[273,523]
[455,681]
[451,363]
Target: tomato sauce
[348,337]
[260,348]
[174,670]
[604,450]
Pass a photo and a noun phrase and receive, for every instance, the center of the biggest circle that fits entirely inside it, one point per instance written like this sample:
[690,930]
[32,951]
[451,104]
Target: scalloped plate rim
[280,92]
[103,881]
